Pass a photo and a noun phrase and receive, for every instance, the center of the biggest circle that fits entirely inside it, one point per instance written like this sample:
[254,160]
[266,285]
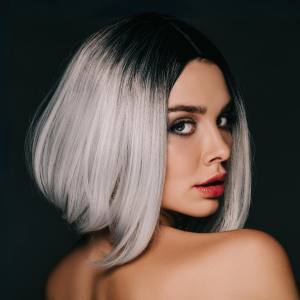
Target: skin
[204,152]
[242,264]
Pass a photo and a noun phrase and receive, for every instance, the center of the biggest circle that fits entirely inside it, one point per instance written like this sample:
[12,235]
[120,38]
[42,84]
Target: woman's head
[102,150]
[199,141]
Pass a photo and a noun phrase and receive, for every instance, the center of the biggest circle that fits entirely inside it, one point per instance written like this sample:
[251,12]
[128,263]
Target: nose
[218,146]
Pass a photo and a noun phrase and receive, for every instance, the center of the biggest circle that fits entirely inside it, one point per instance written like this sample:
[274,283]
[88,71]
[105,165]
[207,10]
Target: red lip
[212,191]
[218,177]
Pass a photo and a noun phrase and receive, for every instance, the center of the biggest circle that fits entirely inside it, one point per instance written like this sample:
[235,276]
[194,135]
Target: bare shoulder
[240,264]
[70,278]
[255,240]
[55,281]
[59,278]
[260,264]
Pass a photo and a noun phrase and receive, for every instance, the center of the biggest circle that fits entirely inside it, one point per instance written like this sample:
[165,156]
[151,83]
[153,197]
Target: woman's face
[200,143]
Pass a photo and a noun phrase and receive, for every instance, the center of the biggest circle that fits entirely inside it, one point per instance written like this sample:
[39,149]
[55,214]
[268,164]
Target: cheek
[227,136]
[182,159]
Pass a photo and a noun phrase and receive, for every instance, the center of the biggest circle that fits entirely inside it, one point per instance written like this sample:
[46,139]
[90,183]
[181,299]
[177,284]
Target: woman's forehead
[199,85]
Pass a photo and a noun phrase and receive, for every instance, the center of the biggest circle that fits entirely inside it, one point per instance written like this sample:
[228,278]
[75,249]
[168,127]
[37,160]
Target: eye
[227,121]
[183,127]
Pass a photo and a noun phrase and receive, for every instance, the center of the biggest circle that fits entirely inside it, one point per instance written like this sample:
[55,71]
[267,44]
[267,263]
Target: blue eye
[181,128]
[186,127]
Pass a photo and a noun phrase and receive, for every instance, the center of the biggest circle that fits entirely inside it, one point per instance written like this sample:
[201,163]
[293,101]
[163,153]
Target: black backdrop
[260,40]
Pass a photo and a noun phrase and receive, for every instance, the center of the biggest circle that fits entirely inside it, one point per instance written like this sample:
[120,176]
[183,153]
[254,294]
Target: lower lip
[211,191]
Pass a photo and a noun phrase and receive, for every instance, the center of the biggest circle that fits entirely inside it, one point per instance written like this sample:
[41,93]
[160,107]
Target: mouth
[217,182]
[213,187]
[216,179]
[211,190]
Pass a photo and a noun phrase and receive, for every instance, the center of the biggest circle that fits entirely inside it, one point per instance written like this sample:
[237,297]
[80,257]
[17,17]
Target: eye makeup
[182,122]
[187,122]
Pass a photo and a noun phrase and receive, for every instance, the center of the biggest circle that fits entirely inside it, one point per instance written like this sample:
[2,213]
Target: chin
[204,209]
[199,208]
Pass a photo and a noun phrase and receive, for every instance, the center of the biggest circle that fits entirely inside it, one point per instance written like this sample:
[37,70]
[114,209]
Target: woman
[144,146]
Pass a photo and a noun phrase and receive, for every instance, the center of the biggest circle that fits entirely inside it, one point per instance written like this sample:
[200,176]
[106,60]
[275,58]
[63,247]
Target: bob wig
[97,149]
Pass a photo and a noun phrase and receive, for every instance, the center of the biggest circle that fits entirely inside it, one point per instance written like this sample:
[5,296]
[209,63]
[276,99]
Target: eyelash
[229,116]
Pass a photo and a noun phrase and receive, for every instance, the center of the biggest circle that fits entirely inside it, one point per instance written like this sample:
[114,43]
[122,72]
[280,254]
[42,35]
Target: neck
[165,218]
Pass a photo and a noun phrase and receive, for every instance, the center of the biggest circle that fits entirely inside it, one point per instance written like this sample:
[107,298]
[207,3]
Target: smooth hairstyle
[98,149]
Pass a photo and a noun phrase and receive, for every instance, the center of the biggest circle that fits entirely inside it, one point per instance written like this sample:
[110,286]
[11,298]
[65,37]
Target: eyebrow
[197,109]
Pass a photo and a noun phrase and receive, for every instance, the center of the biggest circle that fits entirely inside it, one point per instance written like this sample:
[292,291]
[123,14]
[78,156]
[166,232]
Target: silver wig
[98,149]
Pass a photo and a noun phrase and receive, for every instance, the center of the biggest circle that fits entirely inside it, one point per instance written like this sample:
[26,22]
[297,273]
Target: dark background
[259,39]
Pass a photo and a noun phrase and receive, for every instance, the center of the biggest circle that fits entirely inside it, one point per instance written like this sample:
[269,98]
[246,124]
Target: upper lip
[217,177]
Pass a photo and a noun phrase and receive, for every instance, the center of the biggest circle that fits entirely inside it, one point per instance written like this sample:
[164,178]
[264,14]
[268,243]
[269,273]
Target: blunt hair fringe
[97,151]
